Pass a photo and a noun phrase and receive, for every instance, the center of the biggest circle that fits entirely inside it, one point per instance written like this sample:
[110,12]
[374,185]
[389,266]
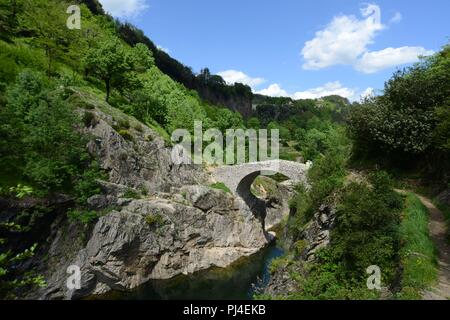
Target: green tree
[254,123]
[142,58]
[55,150]
[442,131]
[9,10]
[45,147]
[21,98]
[225,119]
[45,22]
[109,61]
[117,65]
[284,132]
[146,108]
[403,119]
[139,60]
[181,108]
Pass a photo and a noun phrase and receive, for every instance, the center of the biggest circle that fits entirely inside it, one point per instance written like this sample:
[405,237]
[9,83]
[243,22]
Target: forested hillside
[212,88]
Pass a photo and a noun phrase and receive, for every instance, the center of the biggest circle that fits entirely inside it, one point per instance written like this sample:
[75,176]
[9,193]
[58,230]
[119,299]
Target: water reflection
[237,282]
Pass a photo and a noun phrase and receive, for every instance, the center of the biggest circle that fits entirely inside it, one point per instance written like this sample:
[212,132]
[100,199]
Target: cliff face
[239,103]
[158,239]
[177,226]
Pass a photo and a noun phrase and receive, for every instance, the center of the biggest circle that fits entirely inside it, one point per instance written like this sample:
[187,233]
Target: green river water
[239,282]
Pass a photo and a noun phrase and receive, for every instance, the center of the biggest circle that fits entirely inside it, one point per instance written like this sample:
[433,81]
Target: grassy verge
[220,186]
[418,253]
[446,211]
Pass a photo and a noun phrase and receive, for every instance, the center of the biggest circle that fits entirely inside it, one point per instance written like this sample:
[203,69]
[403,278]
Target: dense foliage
[408,126]
[365,233]
[39,141]
[12,279]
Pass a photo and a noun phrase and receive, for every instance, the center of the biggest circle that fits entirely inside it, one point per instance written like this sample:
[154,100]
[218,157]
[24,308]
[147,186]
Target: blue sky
[300,48]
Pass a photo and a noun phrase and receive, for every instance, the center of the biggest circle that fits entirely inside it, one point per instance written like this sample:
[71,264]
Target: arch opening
[257,203]
[240,178]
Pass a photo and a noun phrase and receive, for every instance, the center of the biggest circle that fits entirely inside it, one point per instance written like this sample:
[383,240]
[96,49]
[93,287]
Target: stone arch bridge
[239,179]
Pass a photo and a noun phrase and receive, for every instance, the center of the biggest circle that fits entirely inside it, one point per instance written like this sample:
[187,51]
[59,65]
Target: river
[237,282]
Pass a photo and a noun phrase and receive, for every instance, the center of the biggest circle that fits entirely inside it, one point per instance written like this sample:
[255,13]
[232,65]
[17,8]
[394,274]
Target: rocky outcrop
[444,197]
[317,233]
[159,239]
[315,236]
[281,283]
[278,205]
[133,155]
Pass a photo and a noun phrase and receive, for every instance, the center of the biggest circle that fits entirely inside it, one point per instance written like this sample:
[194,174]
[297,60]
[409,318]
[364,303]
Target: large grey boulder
[160,239]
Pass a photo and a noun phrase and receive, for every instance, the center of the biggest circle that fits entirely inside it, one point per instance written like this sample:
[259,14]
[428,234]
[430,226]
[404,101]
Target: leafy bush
[366,231]
[155,220]
[131,194]
[89,119]
[409,124]
[12,278]
[126,134]
[221,186]
[86,185]
[83,216]
[181,107]
[302,204]
[326,175]
[21,191]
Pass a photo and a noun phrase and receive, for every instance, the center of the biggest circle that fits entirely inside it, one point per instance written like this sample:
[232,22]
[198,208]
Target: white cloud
[124,8]
[396,18]
[274,90]
[369,92]
[374,61]
[234,76]
[161,48]
[343,40]
[328,89]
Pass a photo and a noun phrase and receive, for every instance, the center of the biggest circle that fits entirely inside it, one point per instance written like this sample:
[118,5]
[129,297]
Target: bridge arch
[242,176]
[239,179]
